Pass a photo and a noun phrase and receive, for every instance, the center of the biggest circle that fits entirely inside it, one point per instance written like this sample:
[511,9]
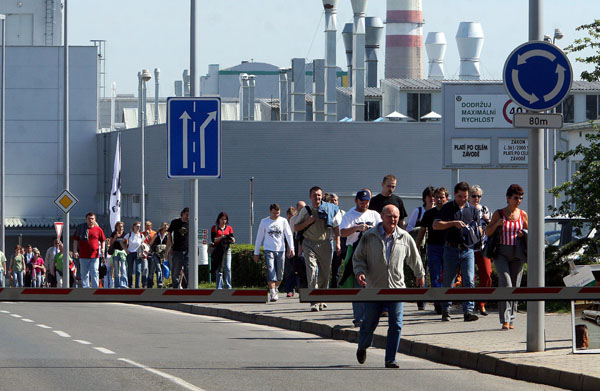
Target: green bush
[246,273]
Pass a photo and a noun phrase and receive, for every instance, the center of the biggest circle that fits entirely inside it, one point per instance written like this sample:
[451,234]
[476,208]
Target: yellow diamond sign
[66,201]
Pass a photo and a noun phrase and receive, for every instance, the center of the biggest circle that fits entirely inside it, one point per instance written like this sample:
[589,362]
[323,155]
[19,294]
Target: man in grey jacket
[379,263]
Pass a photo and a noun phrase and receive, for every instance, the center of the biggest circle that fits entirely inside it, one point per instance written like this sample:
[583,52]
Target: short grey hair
[476,189]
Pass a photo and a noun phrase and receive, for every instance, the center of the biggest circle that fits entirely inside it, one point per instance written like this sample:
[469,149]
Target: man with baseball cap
[356,221]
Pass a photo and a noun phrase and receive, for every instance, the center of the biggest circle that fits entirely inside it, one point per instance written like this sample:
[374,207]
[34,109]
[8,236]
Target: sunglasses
[475,196]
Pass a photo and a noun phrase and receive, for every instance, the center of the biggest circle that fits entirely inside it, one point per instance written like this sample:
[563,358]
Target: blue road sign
[194,137]
[537,75]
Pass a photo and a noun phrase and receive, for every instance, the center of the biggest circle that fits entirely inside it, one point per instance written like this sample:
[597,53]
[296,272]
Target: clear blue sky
[155,33]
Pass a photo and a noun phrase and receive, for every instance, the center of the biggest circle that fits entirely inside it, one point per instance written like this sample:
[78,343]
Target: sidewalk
[479,345]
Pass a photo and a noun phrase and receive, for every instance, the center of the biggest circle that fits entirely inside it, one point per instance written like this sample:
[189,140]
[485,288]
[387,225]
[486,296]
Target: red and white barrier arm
[449,294]
[135,295]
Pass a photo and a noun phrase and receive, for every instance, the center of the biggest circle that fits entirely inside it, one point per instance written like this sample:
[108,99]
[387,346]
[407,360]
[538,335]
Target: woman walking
[221,234]
[17,265]
[509,262]
[484,265]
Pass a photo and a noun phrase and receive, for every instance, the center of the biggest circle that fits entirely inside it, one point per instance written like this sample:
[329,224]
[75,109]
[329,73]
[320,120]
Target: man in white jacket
[271,234]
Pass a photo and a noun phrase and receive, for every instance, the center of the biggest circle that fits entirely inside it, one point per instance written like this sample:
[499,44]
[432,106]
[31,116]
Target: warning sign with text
[513,151]
[471,151]
[484,111]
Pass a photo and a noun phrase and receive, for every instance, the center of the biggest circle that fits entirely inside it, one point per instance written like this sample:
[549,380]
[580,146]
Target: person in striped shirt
[509,263]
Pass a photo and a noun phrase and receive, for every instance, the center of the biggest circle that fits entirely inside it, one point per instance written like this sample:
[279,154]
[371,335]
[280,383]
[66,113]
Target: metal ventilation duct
[469,39]
[330,80]
[347,37]
[435,44]
[404,40]
[359,7]
[298,90]
[251,85]
[319,90]
[186,83]
[290,76]
[374,32]
[156,95]
[243,97]
[283,95]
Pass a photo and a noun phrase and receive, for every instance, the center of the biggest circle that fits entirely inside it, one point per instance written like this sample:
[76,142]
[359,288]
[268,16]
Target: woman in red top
[221,234]
[38,269]
[509,264]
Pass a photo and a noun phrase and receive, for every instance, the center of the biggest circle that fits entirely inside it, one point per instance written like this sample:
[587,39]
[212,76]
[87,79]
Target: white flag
[115,190]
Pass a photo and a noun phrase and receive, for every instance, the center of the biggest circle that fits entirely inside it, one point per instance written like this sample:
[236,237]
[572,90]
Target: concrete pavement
[480,345]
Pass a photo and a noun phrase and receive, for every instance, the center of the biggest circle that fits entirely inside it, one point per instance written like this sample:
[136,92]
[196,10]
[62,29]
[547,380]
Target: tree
[590,42]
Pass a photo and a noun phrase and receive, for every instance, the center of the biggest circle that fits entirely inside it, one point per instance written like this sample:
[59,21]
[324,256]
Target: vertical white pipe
[290,77]
[283,95]
[156,95]
[139,99]
[193,222]
[113,95]
[330,60]
[359,8]
[66,227]
[251,85]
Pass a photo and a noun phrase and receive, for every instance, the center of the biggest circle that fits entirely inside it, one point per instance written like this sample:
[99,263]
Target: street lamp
[145,76]
[3,136]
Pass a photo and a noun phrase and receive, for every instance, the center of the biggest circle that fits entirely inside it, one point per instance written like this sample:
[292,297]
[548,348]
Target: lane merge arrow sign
[537,76]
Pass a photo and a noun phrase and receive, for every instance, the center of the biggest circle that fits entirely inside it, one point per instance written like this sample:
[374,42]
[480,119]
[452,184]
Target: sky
[155,33]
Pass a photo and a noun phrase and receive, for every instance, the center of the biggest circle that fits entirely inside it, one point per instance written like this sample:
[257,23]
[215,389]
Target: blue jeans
[274,260]
[435,261]
[131,257]
[453,259]
[108,279]
[17,279]
[155,266]
[224,273]
[358,307]
[140,266]
[180,261]
[2,279]
[291,279]
[120,268]
[371,319]
[89,268]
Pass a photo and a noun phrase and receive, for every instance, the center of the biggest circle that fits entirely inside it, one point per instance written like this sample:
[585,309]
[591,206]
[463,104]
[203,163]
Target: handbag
[490,250]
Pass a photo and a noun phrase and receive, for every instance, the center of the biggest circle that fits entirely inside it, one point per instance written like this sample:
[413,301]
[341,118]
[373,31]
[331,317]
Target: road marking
[16,316]
[82,342]
[43,326]
[104,350]
[61,333]
[171,378]
[4,312]
[27,320]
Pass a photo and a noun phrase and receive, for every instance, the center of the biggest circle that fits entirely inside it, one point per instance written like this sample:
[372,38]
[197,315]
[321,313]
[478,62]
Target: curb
[480,362]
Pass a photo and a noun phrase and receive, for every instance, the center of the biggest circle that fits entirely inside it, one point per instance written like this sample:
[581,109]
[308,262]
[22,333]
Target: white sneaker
[314,307]
[275,296]
[322,306]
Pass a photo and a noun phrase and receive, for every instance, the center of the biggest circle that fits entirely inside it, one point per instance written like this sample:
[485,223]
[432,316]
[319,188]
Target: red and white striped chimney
[404,40]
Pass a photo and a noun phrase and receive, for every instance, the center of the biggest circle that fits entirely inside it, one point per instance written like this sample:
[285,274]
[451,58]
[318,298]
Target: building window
[567,108]
[591,107]
[372,110]
[417,106]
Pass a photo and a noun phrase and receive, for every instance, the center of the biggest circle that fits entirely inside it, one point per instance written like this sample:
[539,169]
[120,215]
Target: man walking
[316,223]
[386,197]
[379,263]
[272,231]
[88,245]
[452,217]
[177,240]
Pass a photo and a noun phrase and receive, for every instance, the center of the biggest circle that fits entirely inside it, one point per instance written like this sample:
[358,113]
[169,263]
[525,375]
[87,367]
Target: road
[77,346]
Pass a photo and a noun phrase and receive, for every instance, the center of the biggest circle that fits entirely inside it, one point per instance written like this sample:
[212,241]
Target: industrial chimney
[347,37]
[156,95]
[283,95]
[251,86]
[374,31]
[243,96]
[469,39]
[298,90]
[435,44]
[404,40]
[330,59]
[319,88]
[359,7]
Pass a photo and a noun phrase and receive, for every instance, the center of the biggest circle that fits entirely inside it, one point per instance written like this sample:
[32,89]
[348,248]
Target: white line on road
[4,311]
[82,342]
[16,316]
[61,333]
[104,350]
[27,320]
[172,378]
[43,326]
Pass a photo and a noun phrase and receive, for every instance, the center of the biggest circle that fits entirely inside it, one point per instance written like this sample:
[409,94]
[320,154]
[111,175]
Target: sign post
[537,76]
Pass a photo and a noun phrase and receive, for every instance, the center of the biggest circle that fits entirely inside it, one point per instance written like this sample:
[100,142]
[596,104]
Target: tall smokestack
[330,59]
[435,44]
[251,85]
[374,31]
[404,40]
[290,77]
[298,90]
[347,37]
[359,7]
[156,95]
[186,82]
[283,95]
[243,97]
[469,39]
[319,87]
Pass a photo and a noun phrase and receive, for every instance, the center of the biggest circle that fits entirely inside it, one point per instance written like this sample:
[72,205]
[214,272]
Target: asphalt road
[74,346]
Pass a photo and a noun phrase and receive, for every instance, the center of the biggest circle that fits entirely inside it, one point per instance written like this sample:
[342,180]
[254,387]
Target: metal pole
[66,233]
[193,234]
[143,130]
[535,202]
[251,206]
[3,147]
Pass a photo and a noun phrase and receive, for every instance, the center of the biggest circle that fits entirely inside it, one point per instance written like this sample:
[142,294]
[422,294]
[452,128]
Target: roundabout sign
[537,76]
